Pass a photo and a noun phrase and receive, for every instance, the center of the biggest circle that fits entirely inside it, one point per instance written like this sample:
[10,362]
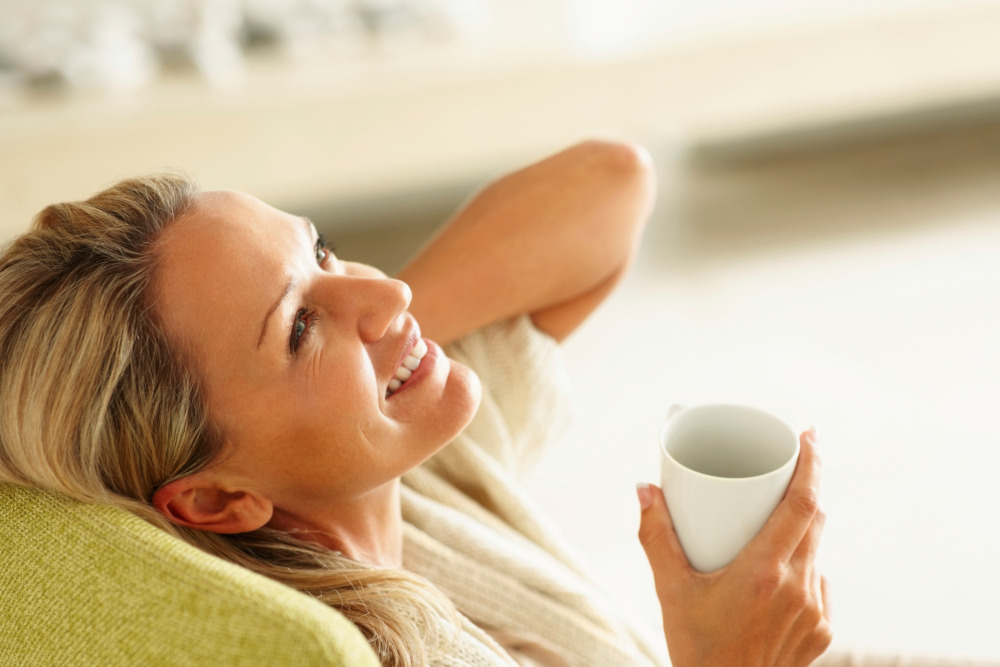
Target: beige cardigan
[474,532]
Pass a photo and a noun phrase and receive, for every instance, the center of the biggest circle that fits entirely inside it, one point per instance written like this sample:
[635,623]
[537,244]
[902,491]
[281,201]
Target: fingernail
[814,434]
[645,493]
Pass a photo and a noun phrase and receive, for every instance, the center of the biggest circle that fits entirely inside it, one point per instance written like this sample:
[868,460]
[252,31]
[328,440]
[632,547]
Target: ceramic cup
[725,468]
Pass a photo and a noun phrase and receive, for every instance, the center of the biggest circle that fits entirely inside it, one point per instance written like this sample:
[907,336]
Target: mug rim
[671,420]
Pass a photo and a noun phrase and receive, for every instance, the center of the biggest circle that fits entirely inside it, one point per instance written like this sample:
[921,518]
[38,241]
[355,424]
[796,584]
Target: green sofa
[91,585]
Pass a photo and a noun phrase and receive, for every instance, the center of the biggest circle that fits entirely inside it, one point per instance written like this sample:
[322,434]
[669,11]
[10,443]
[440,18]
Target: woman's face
[296,350]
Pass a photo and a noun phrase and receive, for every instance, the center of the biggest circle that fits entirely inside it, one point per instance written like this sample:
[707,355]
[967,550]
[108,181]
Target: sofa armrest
[93,585]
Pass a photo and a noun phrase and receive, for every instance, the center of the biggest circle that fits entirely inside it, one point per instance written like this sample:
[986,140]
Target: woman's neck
[368,529]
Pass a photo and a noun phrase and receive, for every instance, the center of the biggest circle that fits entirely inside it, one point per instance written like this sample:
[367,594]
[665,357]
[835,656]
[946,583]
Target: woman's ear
[197,502]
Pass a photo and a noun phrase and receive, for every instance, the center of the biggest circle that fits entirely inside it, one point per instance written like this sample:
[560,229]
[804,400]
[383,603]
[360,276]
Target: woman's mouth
[410,364]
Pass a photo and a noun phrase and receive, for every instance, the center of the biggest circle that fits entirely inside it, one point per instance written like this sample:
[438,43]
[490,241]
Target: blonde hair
[96,404]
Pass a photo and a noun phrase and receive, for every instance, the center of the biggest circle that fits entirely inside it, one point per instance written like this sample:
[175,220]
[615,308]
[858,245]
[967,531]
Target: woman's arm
[551,240]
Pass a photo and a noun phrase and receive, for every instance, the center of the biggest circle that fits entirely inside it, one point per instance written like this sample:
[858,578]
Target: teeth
[410,364]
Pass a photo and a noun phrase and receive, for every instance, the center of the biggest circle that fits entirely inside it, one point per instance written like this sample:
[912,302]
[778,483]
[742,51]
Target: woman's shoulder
[526,391]
[517,338]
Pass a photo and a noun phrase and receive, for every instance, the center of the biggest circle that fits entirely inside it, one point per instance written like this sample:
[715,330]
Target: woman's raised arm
[551,240]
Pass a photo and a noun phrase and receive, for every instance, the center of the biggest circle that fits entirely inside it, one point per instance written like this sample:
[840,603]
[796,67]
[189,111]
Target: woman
[207,362]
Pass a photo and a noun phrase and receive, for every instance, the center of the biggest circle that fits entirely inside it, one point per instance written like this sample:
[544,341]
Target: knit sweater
[475,533]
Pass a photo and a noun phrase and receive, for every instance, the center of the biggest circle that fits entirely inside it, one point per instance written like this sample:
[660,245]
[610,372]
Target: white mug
[725,468]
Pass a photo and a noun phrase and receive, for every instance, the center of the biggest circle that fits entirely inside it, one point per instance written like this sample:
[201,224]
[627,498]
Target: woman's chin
[460,400]
[472,393]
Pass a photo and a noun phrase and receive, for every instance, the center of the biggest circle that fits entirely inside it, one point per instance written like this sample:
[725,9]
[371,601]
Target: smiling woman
[98,404]
[308,405]
[203,360]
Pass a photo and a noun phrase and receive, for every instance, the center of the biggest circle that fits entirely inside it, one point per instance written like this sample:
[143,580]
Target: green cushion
[92,585]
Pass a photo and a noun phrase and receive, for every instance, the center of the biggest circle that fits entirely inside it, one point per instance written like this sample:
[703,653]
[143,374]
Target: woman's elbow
[627,168]
[627,178]
[622,157]
[624,161]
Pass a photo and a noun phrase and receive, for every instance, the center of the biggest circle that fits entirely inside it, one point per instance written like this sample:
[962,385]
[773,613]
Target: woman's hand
[768,607]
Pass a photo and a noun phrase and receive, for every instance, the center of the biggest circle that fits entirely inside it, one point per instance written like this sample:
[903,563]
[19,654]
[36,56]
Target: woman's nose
[372,302]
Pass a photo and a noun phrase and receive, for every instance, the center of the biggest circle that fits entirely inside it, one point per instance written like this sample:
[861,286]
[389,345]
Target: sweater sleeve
[525,405]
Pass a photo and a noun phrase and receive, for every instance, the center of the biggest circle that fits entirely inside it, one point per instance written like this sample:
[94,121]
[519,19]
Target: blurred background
[826,242]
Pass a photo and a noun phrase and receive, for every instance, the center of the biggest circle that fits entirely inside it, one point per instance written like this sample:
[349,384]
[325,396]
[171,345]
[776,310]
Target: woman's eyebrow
[270,311]
[288,287]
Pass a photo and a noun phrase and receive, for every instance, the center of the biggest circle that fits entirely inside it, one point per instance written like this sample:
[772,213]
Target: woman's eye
[322,252]
[300,327]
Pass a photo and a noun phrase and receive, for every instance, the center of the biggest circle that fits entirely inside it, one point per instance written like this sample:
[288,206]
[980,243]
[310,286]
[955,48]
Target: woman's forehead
[220,263]
[219,217]
[230,207]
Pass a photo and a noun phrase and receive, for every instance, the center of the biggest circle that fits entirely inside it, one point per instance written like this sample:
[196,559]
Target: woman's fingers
[824,587]
[816,623]
[816,581]
[805,554]
[657,535]
[810,633]
[785,531]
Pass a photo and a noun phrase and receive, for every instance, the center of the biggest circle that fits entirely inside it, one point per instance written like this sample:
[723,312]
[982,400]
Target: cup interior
[731,441]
